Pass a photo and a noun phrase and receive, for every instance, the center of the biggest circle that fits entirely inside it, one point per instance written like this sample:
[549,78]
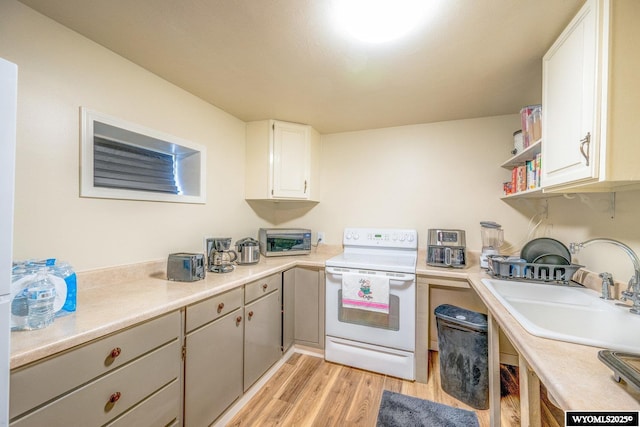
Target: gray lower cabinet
[138,377]
[288,308]
[262,328]
[213,362]
[129,377]
[307,286]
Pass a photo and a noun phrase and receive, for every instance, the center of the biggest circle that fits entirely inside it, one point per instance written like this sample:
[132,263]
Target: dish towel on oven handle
[366,292]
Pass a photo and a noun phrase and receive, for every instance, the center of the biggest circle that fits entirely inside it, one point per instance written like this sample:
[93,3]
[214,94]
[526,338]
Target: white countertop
[572,373]
[112,299]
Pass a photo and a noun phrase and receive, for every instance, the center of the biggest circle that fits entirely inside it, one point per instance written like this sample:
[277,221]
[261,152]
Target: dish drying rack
[509,269]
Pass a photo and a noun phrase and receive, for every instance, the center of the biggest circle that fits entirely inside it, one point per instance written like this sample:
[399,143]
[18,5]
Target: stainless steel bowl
[248,251]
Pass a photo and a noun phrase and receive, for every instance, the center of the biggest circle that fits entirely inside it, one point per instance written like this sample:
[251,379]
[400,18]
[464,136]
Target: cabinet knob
[305,186]
[116,352]
[250,314]
[264,287]
[238,319]
[115,397]
[220,307]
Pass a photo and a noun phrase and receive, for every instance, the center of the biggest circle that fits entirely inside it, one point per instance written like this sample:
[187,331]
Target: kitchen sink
[569,313]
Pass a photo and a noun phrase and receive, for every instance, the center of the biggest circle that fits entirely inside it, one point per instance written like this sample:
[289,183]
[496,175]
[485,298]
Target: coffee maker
[492,238]
[219,257]
[446,248]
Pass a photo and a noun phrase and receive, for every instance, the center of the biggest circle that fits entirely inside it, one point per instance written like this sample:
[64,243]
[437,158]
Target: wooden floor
[307,391]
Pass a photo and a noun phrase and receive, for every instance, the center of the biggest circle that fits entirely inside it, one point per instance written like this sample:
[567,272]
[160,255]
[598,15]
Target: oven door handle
[401,277]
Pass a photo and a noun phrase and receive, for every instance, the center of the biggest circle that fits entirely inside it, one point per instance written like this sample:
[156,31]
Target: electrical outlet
[320,236]
[205,245]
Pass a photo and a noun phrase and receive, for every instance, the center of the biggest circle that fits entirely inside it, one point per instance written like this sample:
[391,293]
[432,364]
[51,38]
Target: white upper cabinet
[591,98]
[291,160]
[569,93]
[281,161]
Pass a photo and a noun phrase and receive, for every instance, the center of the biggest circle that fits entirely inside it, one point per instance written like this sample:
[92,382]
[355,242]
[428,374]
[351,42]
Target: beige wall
[438,175]
[59,71]
[441,174]
[586,216]
[447,175]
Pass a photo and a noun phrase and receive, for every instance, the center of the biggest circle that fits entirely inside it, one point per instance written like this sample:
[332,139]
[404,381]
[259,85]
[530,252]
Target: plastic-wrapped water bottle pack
[40,291]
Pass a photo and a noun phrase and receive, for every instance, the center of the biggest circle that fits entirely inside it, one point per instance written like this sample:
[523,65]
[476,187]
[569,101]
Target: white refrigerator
[8,107]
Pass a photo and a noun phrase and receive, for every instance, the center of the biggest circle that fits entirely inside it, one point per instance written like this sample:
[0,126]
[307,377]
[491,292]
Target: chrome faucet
[607,284]
[633,289]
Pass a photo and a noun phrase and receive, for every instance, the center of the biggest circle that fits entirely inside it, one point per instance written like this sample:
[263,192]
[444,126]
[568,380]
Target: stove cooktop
[382,249]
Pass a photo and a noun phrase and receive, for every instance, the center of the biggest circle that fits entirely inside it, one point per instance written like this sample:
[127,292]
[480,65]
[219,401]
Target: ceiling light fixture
[379,21]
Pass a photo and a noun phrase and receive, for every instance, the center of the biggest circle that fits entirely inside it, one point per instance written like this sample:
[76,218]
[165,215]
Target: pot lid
[489,224]
[247,241]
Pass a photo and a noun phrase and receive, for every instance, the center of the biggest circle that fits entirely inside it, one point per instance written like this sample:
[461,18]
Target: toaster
[185,267]
[446,248]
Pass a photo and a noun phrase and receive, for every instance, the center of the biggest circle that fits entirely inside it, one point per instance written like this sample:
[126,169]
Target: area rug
[399,410]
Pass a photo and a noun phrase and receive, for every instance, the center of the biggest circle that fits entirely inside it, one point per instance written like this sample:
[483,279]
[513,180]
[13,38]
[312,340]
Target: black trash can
[464,355]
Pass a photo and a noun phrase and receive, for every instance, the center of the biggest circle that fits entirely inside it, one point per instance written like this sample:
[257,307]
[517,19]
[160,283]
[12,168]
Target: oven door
[394,330]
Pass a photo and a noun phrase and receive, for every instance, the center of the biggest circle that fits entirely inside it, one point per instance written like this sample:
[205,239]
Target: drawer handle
[115,397]
[250,314]
[264,287]
[116,352]
[238,319]
[220,307]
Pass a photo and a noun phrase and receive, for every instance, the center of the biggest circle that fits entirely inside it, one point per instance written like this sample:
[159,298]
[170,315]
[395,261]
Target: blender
[492,238]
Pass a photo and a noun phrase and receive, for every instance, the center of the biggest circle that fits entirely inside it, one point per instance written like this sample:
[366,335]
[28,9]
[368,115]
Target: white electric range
[382,342]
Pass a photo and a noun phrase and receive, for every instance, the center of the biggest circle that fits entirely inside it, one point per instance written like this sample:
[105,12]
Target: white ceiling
[282,59]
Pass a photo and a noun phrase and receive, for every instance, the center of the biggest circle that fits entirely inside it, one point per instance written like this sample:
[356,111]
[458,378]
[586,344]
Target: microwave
[284,241]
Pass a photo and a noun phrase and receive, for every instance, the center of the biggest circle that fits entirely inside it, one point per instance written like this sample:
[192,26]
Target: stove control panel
[381,237]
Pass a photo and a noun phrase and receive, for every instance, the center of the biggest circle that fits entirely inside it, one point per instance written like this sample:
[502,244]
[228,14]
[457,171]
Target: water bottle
[65,271]
[41,293]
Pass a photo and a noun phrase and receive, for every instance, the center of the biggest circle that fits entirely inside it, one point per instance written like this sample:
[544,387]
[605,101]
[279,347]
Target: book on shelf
[538,160]
[521,185]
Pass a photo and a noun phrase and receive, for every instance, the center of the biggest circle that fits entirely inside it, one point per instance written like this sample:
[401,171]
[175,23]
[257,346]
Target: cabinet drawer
[90,405]
[255,290]
[213,308]
[61,373]
[159,409]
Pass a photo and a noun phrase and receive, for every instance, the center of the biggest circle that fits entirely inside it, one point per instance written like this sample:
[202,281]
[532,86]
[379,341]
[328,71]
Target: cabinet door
[309,307]
[261,337]
[570,87]
[213,369]
[288,308]
[291,160]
